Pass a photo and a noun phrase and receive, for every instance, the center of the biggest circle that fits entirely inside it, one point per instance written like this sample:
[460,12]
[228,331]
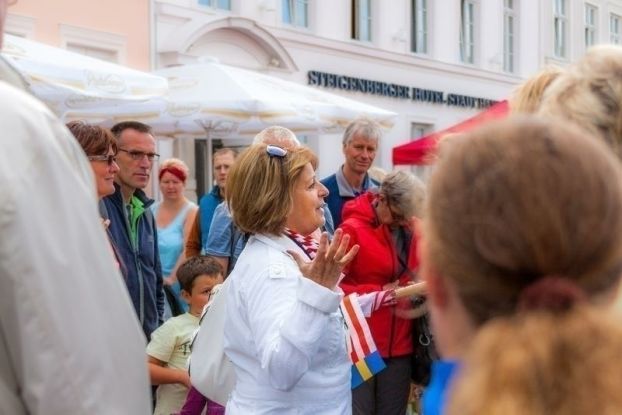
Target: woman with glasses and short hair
[283,332]
[382,224]
[101,149]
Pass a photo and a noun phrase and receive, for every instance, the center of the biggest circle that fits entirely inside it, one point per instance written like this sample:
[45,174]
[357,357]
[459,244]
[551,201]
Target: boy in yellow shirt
[169,349]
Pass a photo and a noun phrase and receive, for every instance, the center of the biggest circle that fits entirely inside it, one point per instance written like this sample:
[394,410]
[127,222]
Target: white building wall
[326,46]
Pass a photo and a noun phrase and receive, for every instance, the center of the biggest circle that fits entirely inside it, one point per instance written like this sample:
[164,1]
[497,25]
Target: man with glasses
[132,225]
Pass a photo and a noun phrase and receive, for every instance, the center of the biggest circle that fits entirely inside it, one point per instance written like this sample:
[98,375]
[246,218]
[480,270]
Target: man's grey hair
[277,136]
[405,192]
[366,127]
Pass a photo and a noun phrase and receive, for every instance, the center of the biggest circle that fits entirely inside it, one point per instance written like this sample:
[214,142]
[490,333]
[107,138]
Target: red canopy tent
[419,151]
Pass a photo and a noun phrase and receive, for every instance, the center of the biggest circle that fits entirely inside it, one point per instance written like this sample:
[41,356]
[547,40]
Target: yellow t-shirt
[170,343]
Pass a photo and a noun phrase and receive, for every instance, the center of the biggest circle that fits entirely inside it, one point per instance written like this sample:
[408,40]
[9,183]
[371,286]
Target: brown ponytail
[519,200]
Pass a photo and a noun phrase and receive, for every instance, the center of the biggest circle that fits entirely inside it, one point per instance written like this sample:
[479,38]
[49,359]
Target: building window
[560,21]
[418,130]
[419,40]
[101,45]
[217,4]
[107,55]
[467,31]
[509,35]
[590,25]
[361,20]
[295,12]
[614,29]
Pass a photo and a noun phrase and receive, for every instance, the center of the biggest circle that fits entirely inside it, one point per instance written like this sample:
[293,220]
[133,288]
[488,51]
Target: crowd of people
[516,239]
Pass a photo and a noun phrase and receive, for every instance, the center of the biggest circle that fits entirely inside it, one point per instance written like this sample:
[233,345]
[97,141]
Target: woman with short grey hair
[382,224]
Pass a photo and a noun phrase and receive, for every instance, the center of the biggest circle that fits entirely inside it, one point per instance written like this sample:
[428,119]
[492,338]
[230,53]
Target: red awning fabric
[420,151]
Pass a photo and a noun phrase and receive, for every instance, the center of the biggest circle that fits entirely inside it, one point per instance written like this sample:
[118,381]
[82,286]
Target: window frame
[93,39]
[560,29]
[357,20]
[615,37]
[590,25]
[468,37]
[419,38]
[215,4]
[293,15]
[510,38]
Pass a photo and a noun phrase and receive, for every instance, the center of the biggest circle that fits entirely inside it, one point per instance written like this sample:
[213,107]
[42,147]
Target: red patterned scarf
[307,243]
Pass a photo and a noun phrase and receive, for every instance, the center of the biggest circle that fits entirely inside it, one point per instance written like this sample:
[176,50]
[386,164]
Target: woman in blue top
[174,217]
[523,235]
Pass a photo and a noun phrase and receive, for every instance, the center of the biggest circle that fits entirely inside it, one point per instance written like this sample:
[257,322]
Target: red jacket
[375,265]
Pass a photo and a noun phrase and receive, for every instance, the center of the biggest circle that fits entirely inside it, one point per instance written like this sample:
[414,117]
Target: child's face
[201,289]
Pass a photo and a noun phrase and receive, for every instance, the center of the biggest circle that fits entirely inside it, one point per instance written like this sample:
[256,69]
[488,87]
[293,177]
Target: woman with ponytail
[522,253]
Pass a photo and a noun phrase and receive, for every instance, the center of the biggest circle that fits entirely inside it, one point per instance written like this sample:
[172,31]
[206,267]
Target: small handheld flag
[366,360]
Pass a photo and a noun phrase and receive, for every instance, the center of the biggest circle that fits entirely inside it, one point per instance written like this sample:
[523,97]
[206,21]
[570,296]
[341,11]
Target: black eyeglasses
[275,151]
[138,155]
[109,159]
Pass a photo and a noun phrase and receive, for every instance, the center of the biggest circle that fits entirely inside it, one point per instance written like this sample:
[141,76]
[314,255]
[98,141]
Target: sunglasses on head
[275,151]
[109,159]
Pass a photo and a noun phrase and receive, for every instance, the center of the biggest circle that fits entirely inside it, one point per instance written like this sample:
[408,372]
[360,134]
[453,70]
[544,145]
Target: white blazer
[285,336]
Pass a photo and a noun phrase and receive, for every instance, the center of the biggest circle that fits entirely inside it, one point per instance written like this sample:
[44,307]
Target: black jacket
[141,260]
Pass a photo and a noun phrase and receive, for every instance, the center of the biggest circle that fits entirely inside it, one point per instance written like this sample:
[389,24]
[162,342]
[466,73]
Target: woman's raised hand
[325,269]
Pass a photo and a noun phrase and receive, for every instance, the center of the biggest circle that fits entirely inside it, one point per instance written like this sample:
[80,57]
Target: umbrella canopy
[226,101]
[70,82]
[421,150]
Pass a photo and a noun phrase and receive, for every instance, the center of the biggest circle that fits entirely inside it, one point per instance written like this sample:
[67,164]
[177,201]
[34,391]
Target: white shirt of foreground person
[70,343]
[284,335]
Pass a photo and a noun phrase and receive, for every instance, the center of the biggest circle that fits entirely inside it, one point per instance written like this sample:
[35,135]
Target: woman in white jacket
[283,332]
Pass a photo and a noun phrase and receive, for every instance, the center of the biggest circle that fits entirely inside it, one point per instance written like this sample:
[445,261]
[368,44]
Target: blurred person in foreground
[284,332]
[65,335]
[382,224]
[589,95]
[508,250]
[174,216]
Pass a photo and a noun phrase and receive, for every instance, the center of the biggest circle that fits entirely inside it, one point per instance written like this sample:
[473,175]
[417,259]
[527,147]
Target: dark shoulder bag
[424,349]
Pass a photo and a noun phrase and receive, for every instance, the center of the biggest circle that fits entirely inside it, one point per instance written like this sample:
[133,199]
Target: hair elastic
[551,293]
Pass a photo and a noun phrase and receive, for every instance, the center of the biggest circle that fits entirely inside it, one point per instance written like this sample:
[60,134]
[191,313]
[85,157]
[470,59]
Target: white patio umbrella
[224,101]
[70,82]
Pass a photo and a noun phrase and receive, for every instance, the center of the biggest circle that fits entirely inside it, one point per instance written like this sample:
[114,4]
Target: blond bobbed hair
[590,95]
[519,200]
[260,188]
[527,97]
